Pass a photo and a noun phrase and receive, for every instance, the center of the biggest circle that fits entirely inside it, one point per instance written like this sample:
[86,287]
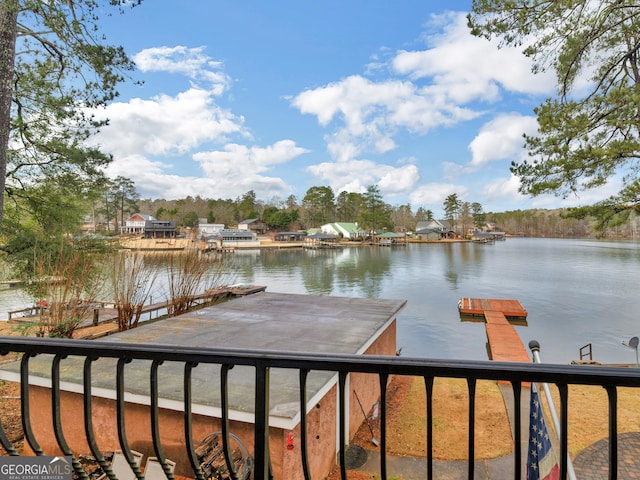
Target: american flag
[542,463]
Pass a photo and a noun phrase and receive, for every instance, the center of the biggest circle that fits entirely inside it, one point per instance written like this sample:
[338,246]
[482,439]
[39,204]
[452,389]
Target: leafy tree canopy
[374,214]
[584,138]
[55,67]
[451,207]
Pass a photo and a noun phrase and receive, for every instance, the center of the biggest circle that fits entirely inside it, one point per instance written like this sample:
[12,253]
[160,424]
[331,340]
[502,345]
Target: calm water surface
[575,291]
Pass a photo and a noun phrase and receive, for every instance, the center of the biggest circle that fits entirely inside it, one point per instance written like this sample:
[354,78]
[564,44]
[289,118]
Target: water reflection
[576,292]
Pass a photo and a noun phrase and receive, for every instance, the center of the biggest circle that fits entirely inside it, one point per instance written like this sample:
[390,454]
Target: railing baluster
[383,424]
[6,443]
[263,462]
[613,431]
[120,410]
[303,423]
[471,386]
[564,434]
[517,429]
[57,422]
[188,421]
[342,408]
[155,421]
[24,405]
[4,440]
[428,383]
[226,442]
[88,419]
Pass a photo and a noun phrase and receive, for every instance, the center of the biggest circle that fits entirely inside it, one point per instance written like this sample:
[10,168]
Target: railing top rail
[488,370]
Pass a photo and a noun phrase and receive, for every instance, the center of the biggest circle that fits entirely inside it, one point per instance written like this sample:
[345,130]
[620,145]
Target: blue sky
[280,96]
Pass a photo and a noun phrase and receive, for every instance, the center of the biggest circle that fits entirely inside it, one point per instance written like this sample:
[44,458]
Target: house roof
[390,235]
[345,228]
[227,232]
[143,216]
[285,322]
[250,220]
[322,236]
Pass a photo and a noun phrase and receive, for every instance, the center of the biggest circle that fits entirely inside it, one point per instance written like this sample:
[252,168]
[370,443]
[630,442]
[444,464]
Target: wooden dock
[478,306]
[504,343]
[107,313]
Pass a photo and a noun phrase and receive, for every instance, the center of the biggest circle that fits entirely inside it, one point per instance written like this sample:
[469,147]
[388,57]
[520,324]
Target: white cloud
[502,138]
[505,190]
[236,161]
[226,173]
[371,113]
[434,194]
[502,189]
[452,170]
[439,86]
[470,68]
[357,175]
[399,180]
[166,125]
[190,62]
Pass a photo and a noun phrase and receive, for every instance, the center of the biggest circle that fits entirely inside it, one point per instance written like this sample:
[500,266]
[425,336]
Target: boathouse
[289,237]
[160,229]
[261,321]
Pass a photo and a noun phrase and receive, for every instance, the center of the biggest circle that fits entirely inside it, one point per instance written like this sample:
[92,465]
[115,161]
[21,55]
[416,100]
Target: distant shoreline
[179,244]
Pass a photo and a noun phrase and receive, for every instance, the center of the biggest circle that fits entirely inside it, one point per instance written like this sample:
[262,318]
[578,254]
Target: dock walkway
[505,344]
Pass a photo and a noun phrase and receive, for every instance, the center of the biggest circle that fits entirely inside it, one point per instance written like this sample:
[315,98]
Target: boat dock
[504,343]
[476,307]
[99,312]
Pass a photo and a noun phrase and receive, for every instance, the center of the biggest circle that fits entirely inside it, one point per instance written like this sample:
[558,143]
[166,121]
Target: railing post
[428,383]
[471,387]
[342,401]
[303,423]
[612,393]
[261,442]
[383,424]
[517,430]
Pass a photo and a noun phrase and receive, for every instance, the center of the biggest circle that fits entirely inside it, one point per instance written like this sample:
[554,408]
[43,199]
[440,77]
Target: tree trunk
[8,31]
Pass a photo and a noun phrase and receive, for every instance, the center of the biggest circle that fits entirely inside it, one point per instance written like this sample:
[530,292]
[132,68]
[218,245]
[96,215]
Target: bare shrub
[65,281]
[132,283]
[190,274]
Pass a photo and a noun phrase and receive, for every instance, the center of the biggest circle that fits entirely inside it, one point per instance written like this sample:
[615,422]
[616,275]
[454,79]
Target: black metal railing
[516,374]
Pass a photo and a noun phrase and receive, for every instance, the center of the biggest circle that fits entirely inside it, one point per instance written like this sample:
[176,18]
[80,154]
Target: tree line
[319,206]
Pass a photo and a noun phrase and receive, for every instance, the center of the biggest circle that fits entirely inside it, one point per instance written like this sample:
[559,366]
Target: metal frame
[516,373]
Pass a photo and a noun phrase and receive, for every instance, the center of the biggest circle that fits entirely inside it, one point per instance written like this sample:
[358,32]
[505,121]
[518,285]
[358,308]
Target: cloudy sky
[280,96]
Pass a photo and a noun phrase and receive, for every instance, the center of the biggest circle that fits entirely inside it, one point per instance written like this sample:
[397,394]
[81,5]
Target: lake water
[575,291]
